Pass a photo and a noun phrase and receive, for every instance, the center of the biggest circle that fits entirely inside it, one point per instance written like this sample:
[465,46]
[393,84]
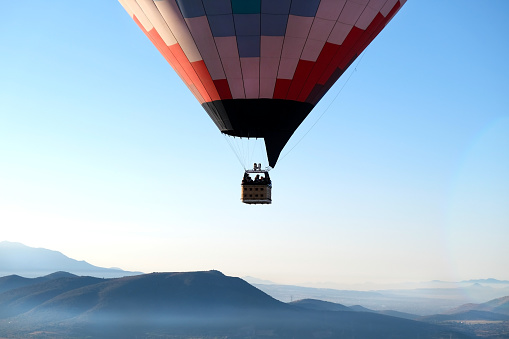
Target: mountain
[16,258]
[182,305]
[391,313]
[359,308]
[23,299]
[421,301]
[487,281]
[11,282]
[499,305]
[319,305]
[406,301]
[488,320]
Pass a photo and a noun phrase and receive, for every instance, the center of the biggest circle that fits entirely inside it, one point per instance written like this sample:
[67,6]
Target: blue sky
[106,157]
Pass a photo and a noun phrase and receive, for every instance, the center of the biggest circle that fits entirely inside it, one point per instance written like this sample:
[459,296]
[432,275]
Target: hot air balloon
[258,67]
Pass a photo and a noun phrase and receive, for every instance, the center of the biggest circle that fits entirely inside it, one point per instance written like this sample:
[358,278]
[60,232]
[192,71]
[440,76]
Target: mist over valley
[209,304]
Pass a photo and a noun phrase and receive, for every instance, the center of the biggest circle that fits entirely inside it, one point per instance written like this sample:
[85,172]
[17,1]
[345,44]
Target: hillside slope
[193,304]
[499,305]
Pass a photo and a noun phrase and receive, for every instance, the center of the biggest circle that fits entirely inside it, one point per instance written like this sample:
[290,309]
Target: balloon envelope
[258,67]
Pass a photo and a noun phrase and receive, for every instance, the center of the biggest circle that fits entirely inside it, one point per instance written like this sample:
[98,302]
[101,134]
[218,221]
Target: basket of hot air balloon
[257,190]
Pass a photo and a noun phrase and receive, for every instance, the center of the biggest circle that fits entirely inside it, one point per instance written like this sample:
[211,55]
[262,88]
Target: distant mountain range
[74,299]
[28,262]
[486,320]
[421,301]
[493,310]
[473,281]
[377,286]
[181,305]
[16,258]
[486,281]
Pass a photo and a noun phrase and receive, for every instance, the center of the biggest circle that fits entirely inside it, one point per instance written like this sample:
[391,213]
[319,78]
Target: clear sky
[106,157]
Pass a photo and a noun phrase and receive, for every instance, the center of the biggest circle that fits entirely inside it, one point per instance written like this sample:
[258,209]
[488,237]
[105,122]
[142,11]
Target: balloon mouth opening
[247,135]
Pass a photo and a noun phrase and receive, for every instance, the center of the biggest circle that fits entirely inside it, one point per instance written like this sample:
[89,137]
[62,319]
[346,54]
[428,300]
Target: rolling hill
[493,310]
[499,305]
[15,281]
[183,305]
[320,305]
[488,320]
[20,300]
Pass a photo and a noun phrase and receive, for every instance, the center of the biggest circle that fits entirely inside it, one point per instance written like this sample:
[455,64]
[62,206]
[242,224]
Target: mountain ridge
[19,259]
[184,305]
[499,305]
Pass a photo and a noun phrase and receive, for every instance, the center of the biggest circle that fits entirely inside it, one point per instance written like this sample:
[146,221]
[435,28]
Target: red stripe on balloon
[383,21]
[324,59]
[188,67]
[325,88]
[281,89]
[393,11]
[349,51]
[223,89]
[369,34]
[206,79]
[345,47]
[302,71]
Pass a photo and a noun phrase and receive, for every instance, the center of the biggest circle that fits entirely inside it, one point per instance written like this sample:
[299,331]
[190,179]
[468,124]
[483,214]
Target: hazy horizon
[364,286]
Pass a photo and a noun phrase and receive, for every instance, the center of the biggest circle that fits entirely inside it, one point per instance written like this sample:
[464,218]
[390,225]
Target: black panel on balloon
[274,120]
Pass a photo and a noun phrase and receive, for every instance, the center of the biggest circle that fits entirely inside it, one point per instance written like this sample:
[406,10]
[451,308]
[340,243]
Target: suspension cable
[234,151]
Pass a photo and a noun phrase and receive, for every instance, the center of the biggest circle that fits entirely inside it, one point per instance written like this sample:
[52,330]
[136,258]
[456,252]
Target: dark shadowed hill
[391,313]
[23,299]
[16,258]
[319,305]
[359,308]
[171,293]
[398,314]
[15,281]
[183,305]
